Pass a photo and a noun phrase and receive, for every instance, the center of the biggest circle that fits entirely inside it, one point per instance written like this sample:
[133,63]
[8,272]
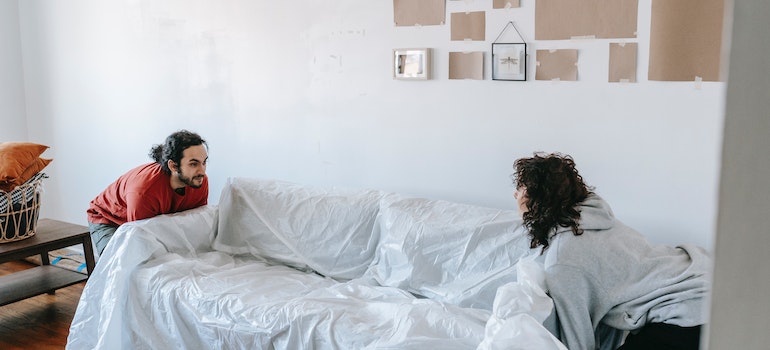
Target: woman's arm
[577,299]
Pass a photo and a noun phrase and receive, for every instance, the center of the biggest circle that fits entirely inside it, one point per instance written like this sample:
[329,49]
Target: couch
[278,265]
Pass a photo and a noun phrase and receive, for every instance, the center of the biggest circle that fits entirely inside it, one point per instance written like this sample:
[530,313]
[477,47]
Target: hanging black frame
[520,59]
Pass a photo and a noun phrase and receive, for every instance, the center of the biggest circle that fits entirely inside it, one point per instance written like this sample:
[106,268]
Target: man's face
[192,167]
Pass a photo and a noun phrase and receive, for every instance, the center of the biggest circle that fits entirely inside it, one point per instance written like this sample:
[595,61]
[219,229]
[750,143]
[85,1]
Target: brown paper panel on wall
[419,12]
[685,39]
[501,4]
[623,62]
[469,25]
[566,19]
[557,64]
[466,65]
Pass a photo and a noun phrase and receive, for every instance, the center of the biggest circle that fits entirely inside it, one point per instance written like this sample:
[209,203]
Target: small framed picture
[411,64]
[509,61]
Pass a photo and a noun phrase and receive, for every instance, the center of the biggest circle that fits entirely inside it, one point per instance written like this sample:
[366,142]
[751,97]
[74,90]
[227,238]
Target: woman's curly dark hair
[554,188]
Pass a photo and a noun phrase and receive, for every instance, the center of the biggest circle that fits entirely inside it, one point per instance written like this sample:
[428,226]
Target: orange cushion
[33,169]
[16,158]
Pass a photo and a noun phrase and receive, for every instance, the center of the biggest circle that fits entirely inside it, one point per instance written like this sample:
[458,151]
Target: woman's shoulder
[592,245]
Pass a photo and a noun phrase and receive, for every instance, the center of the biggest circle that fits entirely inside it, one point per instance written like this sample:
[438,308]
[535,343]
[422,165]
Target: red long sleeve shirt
[141,193]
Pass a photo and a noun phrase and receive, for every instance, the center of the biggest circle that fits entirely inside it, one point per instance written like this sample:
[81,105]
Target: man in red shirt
[175,182]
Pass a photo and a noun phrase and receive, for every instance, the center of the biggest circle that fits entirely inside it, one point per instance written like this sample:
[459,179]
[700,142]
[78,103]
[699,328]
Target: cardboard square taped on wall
[466,65]
[469,26]
[502,4]
[568,19]
[419,12]
[557,64]
[623,62]
[686,40]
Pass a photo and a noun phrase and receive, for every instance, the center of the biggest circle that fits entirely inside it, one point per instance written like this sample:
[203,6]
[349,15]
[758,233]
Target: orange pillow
[15,158]
[33,169]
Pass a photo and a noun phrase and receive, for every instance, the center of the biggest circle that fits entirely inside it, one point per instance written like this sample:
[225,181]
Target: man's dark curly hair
[173,148]
[554,188]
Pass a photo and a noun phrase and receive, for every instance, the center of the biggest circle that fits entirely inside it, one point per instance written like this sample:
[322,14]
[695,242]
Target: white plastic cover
[160,285]
[451,252]
[108,303]
[328,230]
[519,311]
[141,296]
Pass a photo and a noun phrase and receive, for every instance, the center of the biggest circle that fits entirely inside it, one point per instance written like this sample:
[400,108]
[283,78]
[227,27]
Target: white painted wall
[13,122]
[742,273]
[302,91]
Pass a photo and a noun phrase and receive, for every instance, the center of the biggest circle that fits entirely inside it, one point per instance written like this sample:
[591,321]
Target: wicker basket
[19,211]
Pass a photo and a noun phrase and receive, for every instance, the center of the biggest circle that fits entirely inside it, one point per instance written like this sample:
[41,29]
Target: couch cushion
[452,252]
[328,230]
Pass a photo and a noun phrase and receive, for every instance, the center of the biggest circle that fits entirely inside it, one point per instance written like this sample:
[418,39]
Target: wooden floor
[40,322]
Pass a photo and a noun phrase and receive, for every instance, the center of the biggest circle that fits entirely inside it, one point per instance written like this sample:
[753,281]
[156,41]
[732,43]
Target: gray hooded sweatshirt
[611,276]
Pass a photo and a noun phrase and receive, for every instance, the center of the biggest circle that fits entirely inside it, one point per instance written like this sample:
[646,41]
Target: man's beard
[189,180]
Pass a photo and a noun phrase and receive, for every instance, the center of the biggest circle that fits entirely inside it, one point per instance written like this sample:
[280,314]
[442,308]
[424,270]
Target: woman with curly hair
[605,279]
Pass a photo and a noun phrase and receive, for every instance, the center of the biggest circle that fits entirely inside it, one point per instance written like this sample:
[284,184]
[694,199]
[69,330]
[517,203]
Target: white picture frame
[412,64]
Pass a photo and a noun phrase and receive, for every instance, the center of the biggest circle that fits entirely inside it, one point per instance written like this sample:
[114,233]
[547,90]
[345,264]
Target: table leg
[45,261]
[88,250]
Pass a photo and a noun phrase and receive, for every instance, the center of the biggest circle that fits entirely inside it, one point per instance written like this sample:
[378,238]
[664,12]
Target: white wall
[302,91]
[742,273]
[13,122]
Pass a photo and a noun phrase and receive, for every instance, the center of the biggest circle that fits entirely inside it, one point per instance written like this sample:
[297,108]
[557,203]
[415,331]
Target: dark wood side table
[49,235]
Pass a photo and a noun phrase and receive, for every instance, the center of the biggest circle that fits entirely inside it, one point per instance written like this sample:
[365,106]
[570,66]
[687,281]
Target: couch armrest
[99,321]
[185,233]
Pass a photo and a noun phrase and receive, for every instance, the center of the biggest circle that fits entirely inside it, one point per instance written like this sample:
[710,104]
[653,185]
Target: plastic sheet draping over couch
[178,281]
